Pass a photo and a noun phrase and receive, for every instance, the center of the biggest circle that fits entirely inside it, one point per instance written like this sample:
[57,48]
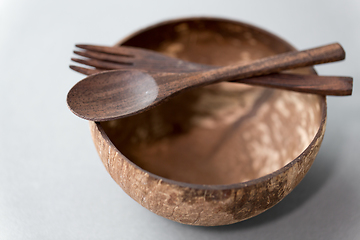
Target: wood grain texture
[127,58]
[266,140]
[120,93]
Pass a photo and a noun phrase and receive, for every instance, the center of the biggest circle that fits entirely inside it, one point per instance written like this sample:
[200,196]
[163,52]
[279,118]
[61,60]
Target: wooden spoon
[120,93]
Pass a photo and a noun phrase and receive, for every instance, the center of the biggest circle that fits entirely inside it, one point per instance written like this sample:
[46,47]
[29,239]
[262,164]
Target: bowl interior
[224,133]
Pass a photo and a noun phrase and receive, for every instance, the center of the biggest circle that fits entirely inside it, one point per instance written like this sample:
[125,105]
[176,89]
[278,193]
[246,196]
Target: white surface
[52,183]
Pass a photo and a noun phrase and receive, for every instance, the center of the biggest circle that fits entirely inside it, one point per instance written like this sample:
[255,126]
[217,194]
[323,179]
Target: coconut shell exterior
[219,154]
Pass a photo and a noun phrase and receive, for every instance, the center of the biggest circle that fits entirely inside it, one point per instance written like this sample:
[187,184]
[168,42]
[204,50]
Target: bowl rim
[251,182]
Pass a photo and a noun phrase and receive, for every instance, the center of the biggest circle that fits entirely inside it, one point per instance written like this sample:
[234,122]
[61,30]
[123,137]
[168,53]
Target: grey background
[52,183]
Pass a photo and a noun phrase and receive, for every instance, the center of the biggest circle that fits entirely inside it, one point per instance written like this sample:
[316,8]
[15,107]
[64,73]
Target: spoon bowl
[112,94]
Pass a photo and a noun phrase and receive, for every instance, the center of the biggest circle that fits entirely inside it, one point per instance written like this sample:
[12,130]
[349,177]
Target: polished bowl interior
[218,154]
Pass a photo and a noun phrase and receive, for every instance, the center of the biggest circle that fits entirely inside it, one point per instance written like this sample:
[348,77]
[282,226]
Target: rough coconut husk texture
[219,154]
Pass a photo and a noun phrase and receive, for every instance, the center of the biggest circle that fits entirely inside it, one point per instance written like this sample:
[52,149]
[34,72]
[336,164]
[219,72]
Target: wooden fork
[110,58]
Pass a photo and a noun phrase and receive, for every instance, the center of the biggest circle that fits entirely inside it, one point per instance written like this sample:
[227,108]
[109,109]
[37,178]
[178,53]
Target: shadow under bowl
[218,154]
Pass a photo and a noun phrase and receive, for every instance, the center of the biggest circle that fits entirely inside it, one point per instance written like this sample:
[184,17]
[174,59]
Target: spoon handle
[289,60]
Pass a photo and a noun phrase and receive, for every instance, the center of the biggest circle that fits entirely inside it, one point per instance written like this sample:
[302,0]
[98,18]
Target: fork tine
[99,63]
[86,71]
[128,51]
[104,56]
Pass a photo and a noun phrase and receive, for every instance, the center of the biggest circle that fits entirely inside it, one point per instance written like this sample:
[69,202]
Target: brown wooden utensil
[119,93]
[322,85]
[123,57]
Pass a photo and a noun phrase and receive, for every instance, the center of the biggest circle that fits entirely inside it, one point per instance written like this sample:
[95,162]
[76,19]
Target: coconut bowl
[219,154]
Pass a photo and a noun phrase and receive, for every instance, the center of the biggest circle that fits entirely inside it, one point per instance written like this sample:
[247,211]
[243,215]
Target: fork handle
[322,85]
